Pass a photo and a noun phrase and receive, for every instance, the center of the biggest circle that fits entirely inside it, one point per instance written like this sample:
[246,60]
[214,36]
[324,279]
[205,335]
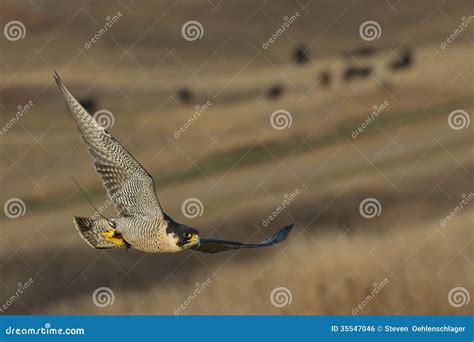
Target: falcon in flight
[141,223]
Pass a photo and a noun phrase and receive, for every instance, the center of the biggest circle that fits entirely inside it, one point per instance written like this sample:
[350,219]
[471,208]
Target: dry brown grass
[327,273]
[409,159]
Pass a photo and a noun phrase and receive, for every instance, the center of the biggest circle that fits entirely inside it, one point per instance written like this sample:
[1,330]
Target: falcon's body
[148,235]
[141,223]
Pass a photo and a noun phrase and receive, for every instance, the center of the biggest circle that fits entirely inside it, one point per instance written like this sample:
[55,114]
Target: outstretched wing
[128,184]
[216,246]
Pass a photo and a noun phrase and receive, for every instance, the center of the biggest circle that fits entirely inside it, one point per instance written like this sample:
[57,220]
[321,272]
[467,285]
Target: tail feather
[91,232]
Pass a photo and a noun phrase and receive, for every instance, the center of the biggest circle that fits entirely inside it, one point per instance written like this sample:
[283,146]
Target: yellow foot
[114,237]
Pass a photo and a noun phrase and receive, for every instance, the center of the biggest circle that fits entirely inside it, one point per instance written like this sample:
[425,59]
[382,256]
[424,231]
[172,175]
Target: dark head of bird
[187,237]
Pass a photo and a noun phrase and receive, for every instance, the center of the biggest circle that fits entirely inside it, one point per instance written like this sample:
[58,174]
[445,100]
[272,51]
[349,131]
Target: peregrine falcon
[141,223]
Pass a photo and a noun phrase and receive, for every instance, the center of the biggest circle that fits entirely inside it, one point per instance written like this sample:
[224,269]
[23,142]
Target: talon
[109,234]
[114,237]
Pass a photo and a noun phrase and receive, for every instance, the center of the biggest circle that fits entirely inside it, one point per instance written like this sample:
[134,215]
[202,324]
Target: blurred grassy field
[231,158]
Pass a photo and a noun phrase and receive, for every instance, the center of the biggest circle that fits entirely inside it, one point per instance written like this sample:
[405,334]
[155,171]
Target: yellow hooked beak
[193,241]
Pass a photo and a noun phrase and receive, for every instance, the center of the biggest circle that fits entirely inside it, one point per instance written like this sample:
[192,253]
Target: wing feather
[127,183]
[216,246]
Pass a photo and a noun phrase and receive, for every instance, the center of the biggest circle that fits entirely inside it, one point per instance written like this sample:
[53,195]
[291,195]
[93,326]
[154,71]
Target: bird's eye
[187,235]
[112,224]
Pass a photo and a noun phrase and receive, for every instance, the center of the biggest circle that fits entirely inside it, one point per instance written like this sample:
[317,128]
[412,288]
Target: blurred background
[350,119]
